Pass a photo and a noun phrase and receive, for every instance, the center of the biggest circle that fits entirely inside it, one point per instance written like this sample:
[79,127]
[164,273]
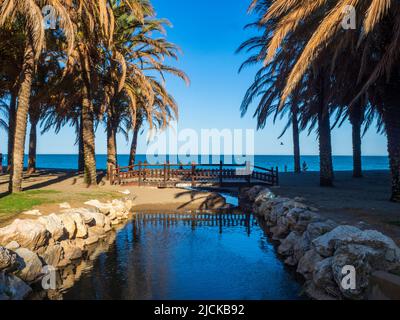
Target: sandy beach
[363,202]
[66,186]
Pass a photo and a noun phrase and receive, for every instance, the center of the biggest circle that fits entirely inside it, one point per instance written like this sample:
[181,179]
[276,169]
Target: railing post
[140,173]
[220,173]
[169,170]
[277,176]
[193,174]
[118,175]
[165,173]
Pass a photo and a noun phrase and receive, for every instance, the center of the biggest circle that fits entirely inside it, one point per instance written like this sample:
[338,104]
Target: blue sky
[209,32]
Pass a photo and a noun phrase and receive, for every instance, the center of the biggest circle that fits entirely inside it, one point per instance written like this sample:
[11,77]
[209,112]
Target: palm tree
[30,15]
[377,36]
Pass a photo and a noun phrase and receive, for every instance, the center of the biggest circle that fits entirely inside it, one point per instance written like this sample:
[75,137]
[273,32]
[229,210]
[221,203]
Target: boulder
[13,288]
[286,247]
[365,260]
[65,205]
[313,231]
[323,277]
[264,195]
[53,255]
[95,218]
[30,234]
[71,250]
[327,243]
[13,245]
[55,225]
[32,213]
[8,259]
[69,224]
[253,192]
[30,265]
[307,263]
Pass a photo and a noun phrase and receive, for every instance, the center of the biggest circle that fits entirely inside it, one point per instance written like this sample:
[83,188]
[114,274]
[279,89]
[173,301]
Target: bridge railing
[193,173]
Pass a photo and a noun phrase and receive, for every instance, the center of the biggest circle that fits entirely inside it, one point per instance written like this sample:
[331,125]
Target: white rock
[127,192]
[30,234]
[30,265]
[32,213]
[55,225]
[69,224]
[53,255]
[13,245]
[8,259]
[65,205]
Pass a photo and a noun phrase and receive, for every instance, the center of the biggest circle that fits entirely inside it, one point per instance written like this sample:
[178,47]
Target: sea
[284,162]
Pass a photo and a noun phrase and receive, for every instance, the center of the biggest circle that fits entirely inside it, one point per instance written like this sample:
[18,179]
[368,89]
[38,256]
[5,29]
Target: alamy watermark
[206,146]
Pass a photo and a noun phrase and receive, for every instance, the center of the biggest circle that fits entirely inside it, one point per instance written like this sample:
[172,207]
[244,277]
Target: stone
[30,265]
[253,192]
[81,227]
[96,218]
[327,243]
[323,277]
[30,234]
[69,224]
[32,213]
[65,205]
[286,247]
[264,195]
[127,192]
[53,255]
[13,245]
[365,260]
[313,231]
[71,250]
[8,259]
[307,264]
[55,225]
[13,288]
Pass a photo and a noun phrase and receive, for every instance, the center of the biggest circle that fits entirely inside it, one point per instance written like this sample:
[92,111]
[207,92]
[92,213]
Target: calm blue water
[189,257]
[341,163]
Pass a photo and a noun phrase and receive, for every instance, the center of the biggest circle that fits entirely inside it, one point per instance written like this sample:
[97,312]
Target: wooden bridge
[171,175]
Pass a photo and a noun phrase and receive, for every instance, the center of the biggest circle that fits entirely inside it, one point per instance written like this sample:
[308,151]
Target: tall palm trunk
[32,146]
[392,122]
[111,141]
[356,122]
[11,127]
[132,154]
[21,119]
[81,162]
[325,150]
[296,139]
[89,155]
[325,144]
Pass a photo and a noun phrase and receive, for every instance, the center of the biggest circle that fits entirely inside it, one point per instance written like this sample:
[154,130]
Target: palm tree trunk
[89,155]
[24,94]
[32,147]
[325,150]
[392,122]
[356,121]
[11,128]
[81,162]
[296,140]
[132,155]
[111,142]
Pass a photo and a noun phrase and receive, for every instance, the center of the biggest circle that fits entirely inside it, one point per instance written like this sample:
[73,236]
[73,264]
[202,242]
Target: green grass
[23,201]
[14,204]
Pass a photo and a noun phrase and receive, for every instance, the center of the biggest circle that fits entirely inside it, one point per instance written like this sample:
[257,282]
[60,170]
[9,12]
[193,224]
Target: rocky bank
[29,247]
[319,249]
